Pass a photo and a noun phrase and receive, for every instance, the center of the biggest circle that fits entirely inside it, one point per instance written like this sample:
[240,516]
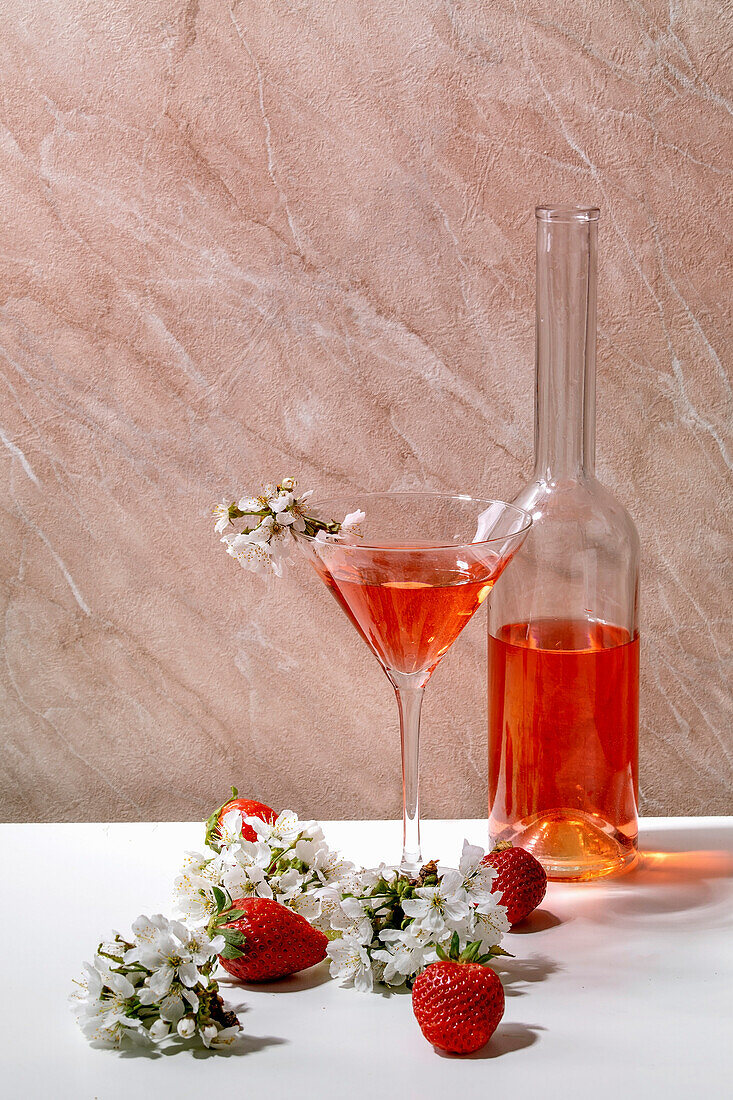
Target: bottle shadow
[670,884]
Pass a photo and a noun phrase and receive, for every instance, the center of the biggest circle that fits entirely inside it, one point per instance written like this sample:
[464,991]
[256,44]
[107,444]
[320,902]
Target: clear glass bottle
[563,619]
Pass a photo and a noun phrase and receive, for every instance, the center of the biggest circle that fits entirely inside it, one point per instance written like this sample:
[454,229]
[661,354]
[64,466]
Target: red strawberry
[520,879]
[458,1001]
[247,808]
[273,941]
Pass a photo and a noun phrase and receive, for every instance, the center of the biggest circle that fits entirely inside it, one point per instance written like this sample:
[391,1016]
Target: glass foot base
[573,846]
[410,864]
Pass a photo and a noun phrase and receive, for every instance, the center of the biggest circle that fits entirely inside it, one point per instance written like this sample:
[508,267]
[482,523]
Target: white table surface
[618,990]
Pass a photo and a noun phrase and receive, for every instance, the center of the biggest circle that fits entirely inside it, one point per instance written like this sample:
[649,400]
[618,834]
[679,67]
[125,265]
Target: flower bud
[186,1027]
[288,483]
[159,1030]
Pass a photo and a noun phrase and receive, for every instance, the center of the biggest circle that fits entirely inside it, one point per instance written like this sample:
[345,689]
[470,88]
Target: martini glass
[425,562]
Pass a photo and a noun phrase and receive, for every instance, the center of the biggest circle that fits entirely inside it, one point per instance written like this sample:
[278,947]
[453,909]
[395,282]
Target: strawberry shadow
[507,1039]
[515,974]
[294,983]
[538,921]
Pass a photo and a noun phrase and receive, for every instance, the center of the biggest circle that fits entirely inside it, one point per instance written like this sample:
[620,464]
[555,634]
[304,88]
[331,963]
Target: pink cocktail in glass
[424,564]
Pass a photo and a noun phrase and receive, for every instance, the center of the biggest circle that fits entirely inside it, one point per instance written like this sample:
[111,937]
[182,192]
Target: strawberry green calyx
[501,846]
[211,839]
[234,940]
[471,953]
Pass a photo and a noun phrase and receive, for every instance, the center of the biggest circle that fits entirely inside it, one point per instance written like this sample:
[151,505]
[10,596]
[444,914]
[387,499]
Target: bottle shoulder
[583,504]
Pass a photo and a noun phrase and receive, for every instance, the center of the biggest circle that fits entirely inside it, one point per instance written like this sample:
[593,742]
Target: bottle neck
[565,395]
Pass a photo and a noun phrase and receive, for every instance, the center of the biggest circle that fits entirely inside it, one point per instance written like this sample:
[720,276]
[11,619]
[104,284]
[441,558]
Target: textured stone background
[250,239]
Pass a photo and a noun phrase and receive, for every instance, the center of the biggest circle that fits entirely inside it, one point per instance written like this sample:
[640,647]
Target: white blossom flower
[246,880]
[221,515]
[255,558]
[251,505]
[369,877]
[280,502]
[168,952]
[282,832]
[101,1003]
[333,868]
[193,888]
[307,905]
[489,925]
[353,921]
[230,829]
[173,1004]
[155,987]
[351,524]
[217,1037]
[436,909]
[290,884]
[312,850]
[298,511]
[477,876]
[202,947]
[408,951]
[260,537]
[350,962]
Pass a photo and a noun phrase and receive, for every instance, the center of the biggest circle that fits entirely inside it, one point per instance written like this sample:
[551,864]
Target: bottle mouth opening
[567,213]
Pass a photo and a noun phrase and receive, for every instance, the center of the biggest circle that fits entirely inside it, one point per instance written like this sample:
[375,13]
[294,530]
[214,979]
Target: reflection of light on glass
[462,564]
[487,520]
[683,866]
[483,593]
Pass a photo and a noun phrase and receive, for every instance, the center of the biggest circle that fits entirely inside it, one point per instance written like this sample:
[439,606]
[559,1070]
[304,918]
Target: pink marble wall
[251,239]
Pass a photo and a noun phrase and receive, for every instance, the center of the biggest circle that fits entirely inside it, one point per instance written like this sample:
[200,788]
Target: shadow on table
[516,974]
[507,1039]
[243,1044]
[684,884]
[674,868]
[304,979]
[539,920]
[671,884]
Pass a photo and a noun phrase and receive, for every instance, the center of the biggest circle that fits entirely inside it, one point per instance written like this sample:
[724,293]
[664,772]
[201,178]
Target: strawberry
[520,879]
[265,940]
[247,808]
[459,1000]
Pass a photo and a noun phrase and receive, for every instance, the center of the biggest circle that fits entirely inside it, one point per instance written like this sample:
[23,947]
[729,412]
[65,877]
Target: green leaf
[500,951]
[211,837]
[470,953]
[441,953]
[220,898]
[231,951]
[454,945]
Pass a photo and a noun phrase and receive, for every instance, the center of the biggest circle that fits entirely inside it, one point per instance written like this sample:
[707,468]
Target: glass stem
[409,701]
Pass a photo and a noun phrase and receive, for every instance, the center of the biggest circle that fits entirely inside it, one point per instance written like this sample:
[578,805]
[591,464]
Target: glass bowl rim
[464,497]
